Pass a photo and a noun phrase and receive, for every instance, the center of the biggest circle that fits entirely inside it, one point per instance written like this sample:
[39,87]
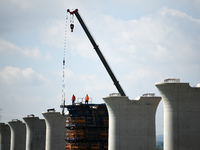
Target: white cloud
[82,48]
[91,83]
[24,4]
[176,13]
[16,76]
[168,36]
[52,34]
[141,74]
[162,54]
[48,56]
[157,36]
[11,49]
[57,34]
[34,53]
[68,73]
[157,41]
[196,4]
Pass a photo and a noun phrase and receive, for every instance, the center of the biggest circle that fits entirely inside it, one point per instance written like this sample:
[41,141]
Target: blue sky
[143,41]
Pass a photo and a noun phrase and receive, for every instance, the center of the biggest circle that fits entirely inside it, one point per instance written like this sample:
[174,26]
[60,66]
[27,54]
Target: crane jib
[96,47]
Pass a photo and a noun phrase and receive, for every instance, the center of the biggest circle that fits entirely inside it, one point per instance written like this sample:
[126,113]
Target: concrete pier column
[132,122]
[4,136]
[181,115]
[35,133]
[55,130]
[18,135]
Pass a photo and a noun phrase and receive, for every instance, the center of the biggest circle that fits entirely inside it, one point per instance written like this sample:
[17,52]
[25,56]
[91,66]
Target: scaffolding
[87,127]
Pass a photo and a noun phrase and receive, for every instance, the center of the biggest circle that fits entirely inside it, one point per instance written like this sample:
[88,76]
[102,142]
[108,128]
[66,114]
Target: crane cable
[65,41]
[72,22]
[63,78]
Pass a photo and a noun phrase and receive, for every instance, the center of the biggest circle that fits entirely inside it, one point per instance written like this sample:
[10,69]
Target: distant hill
[159,138]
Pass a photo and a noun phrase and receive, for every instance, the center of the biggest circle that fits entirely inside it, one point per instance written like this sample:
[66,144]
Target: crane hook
[71,27]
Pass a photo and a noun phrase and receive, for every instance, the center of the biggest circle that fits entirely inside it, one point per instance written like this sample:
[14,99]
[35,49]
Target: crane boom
[96,47]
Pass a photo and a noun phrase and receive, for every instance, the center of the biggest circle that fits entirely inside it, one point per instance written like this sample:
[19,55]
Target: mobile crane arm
[96,47]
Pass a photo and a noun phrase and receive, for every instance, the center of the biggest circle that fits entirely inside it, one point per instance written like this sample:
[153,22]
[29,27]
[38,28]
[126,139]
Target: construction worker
[73,99]
[86,99]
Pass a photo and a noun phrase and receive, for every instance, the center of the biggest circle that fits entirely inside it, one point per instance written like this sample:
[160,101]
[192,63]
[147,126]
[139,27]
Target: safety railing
[172,80]
[82,100]
[114,94]
[148,95]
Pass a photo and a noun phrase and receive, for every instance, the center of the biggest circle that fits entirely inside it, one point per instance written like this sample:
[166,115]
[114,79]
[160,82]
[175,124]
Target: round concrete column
[181,115]
[132,122]
[18,135]
[35,133]
[4,136]
[55,130]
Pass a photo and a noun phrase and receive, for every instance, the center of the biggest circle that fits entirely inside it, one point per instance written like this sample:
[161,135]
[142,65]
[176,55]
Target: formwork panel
[88,127]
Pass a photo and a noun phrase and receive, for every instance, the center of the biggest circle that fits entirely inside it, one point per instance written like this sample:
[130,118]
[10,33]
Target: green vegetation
[159,145]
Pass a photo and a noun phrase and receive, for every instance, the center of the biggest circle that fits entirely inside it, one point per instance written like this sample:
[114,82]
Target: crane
[96,47]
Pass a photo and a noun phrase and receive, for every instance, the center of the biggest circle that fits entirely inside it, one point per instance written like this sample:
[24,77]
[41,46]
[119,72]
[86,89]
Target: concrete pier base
[132,122]
[55,130]
[4,136]
[181,115]
[35,133]
[18,135]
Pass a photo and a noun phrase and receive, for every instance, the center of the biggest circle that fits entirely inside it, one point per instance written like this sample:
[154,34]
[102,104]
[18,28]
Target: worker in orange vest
[86,99]
[73,99]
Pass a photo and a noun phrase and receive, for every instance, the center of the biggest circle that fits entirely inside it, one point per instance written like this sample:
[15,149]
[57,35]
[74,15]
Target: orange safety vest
[73,98]
[86,98]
